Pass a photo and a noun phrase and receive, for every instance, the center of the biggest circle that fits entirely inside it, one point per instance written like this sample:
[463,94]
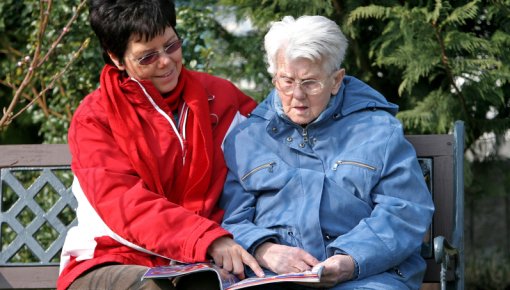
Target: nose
[164,59]
[298,92]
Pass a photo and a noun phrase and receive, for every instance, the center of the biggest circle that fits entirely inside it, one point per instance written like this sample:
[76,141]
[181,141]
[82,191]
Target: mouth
[166,75]
[301,108]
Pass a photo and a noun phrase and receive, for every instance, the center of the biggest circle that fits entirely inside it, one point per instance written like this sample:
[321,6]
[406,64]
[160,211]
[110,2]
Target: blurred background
[440,61]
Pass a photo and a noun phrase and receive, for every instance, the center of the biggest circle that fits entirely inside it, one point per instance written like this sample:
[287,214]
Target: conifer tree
[453,60]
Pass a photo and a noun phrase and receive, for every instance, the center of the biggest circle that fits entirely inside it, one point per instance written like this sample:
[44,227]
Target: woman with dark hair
[147,157]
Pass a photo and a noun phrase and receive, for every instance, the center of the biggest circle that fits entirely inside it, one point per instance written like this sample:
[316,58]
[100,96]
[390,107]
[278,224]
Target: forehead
[298,67]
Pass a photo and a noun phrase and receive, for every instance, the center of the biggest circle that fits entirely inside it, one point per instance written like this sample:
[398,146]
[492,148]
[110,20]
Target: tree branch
[36,61]
[54,79]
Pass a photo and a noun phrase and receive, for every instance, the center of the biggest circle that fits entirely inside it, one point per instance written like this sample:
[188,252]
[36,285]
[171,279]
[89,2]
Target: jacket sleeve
[401,215]
[120,198]
[239,206]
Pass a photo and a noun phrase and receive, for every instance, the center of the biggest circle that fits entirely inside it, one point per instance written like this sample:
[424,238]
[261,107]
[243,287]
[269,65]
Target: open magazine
[227,280]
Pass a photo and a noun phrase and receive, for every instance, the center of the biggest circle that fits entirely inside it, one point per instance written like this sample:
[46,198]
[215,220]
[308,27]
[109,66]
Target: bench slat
[34,155]
[23,277]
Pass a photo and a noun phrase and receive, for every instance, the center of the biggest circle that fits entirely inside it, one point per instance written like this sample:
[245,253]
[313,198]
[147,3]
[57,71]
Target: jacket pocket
[353,163]
[355,175]
[268,166]
[267,176]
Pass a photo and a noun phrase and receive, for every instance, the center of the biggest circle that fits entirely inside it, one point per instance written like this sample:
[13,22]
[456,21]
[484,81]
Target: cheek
[320,103]
[177,57]
[134,72]
[286,100]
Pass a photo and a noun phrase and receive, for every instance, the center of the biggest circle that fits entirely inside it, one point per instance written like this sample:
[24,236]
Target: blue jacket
[349,182]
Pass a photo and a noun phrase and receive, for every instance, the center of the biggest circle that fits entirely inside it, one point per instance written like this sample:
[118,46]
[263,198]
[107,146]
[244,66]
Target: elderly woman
[147,157]
[321,173]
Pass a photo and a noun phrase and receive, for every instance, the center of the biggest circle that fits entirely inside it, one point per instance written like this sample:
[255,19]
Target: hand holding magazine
[229,281]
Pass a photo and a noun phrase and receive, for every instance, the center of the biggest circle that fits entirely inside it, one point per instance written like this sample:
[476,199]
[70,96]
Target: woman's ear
[338,77]
[118,63]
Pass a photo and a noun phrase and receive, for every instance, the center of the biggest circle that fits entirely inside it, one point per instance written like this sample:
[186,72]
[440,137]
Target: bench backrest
[37,208]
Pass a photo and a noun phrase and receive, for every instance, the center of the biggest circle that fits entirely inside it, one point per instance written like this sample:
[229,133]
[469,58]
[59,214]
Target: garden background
[440,61]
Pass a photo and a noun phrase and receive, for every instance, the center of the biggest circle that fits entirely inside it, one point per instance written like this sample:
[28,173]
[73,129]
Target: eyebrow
[304,79]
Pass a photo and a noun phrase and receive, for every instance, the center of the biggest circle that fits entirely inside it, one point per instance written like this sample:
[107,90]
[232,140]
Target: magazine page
[172,271]
[228,280]
[312,276]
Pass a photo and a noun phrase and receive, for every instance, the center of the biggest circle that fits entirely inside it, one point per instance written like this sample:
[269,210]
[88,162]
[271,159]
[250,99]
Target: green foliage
[452,60]
[444,61]
[210,47]
[488,269]
[262,12]
[55,96]
[370,11]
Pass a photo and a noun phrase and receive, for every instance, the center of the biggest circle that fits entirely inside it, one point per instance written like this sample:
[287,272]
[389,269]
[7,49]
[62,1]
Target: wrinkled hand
[284,259]
[229,255]
[337,268]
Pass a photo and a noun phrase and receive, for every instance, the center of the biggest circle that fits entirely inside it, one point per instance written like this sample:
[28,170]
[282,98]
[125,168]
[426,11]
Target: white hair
[311,37]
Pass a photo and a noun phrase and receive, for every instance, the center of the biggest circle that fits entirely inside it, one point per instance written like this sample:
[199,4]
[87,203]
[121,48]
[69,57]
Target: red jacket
[119,219]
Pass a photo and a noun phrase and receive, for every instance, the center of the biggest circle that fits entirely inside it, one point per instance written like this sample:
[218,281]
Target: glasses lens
[149,58]
[173,47]
[152,57]
[284,84]
[311,86]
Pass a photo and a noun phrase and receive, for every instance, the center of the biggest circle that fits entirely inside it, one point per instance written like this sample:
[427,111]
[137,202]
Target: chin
[164,89]
[300,120]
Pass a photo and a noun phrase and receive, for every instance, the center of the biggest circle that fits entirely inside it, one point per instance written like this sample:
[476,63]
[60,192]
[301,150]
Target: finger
[252,263]
[302,266]
[227,263]
[238,268]
[218,260]
[309,259]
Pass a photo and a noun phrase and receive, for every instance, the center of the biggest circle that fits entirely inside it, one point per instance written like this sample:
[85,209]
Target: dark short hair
[115,21]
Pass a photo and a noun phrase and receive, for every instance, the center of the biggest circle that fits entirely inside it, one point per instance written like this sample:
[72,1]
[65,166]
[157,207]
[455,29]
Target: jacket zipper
[258,168]
[165,115]
[346,162]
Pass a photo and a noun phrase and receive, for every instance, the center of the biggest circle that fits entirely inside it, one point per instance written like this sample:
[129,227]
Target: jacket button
[289,139]
[328,237]
[301,145]
[274,130]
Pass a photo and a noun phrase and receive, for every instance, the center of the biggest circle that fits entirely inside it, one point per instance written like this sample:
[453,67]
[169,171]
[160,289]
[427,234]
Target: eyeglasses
[286,85]
[154,56]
